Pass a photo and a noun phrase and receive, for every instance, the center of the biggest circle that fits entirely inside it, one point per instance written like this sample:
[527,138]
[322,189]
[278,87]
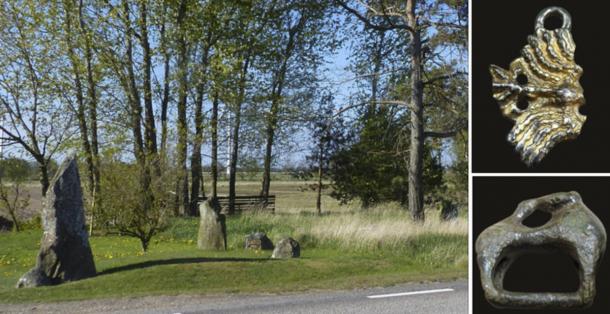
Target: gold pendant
[546,76]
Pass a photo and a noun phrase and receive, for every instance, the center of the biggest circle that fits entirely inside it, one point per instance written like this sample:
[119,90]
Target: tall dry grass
[388,230]
[385,226]
[375,232]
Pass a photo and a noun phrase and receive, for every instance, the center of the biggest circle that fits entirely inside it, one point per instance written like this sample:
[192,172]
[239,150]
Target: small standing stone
[212,226]
[5,224]
[449,211]
[287,248]
[65,253]
[258,241]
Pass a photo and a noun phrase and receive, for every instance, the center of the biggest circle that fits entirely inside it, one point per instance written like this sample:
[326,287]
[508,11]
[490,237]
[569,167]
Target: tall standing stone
[65,253]
[212,226]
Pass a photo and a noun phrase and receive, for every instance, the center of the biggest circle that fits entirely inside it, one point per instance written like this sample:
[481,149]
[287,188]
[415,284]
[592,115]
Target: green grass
[291,196]
[174,265]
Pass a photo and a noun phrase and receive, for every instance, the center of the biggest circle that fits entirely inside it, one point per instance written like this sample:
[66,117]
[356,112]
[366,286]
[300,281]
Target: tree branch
[444,77]
[380,102]
[458,126]
[445,134]
[369,23]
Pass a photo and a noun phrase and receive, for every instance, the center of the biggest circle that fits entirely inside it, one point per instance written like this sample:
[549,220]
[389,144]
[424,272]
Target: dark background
[499,32]
[496,198]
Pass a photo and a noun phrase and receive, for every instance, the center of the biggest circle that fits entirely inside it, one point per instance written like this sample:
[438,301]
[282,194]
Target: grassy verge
[339,251]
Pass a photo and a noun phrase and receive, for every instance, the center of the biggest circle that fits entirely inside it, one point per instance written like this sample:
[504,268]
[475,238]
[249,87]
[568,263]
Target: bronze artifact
[572,229]
[546,77]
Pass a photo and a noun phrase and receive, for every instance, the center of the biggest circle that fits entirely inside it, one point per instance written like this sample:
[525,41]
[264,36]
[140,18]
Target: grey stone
[449,211]
[33,278]
[5,224]
[258,241]
[65,253]
[212,226]
[573,229]
[287,248]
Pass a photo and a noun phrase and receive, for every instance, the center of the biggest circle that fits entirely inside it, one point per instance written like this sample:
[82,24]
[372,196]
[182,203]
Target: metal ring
[565,16]
[573,229]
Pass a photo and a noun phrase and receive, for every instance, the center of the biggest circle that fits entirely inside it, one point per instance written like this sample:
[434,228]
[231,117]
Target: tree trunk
[234,155]
[372,107]
[166,86]
[133,94]
[144,243]
[276,94]
[271,126]
[150,132]
[182,187]
[196,174]
[92,94]
[43,167]
[16,223]
[135,116]
[268,155]
[94,138]
[214,125]
[416,151]
[82,125]
[235,143]
[196,168]
[80,99]
[320,174]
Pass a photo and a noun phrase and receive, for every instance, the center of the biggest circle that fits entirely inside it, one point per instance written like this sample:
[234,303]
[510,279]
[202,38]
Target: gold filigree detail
[546,76]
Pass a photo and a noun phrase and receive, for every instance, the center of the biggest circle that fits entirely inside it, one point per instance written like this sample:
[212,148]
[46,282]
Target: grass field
[345,248]
[290,195]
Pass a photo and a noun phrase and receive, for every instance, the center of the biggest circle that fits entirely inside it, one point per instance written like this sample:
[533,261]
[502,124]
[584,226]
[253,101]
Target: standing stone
[449,211]
[5,224]
[258,241]
[287,248]
[65,253]
[212,226]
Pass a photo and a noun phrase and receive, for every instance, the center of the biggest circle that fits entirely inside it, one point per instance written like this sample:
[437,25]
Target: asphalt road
[436,298]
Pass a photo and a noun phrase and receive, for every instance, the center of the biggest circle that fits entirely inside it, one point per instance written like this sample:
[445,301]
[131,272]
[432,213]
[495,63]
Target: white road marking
[391,295]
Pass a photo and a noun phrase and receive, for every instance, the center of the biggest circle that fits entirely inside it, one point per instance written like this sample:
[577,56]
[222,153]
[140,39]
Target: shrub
[13,197]
[131,208]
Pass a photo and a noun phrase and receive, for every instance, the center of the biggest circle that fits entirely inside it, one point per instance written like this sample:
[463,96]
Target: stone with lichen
[287,248]
[212,227]
[65,253]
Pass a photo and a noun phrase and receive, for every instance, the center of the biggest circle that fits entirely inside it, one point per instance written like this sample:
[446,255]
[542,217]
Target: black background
[499,32]
[496,198]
